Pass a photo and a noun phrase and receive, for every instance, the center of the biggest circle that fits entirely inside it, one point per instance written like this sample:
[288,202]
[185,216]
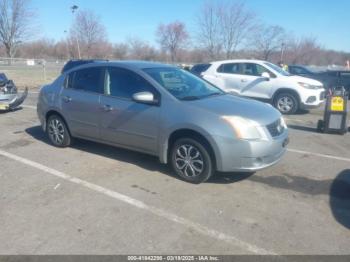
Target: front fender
[164,141]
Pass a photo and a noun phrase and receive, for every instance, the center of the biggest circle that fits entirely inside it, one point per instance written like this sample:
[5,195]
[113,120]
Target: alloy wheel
[56,131]
[285,104]
[189,160]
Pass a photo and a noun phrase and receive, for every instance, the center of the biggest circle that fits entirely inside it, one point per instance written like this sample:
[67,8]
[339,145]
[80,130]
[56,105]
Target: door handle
[67,99]
[107,108]
[244,80]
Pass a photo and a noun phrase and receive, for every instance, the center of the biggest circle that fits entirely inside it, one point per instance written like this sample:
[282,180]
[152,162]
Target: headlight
[308,86]
[246,129]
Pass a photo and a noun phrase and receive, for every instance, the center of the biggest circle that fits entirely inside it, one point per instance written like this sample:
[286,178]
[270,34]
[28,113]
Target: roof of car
[140,64]
[127,64]
[239,61]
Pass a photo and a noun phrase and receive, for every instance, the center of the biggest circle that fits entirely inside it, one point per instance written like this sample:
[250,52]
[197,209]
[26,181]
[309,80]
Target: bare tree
[225,26]
[88,31]
[15,21]
[172,37]
[120,51]
[209,33]
[302,50]
[141,50]
[237,22]
[267,40]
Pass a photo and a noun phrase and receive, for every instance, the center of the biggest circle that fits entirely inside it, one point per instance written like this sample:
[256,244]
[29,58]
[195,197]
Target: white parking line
[139,204]
[318,154]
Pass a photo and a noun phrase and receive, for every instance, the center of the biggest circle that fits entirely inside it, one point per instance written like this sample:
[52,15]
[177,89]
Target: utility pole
[74,8]
[282,51]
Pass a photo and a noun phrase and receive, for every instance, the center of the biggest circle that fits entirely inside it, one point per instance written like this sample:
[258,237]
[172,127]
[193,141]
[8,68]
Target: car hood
[305,80]
[230,105]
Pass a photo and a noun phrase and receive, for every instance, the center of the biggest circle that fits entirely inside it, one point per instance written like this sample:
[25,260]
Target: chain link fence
[31,73]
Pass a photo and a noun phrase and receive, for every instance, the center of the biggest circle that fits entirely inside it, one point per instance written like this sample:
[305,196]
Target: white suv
[267,82]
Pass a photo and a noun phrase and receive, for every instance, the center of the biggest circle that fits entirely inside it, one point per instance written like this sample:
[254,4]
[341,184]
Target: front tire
[286,103]
[58,132]
[190,159]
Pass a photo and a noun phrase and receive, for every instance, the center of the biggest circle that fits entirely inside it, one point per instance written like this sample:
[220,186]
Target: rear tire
[58,132]
[190,159]
[286,103]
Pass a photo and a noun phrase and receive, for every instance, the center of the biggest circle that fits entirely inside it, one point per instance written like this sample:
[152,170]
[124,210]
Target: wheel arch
[55,112]
[286,90]
[189,133]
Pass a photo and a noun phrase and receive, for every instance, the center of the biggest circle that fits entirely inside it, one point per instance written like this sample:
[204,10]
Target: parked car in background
[163,111]
[334,78]
[9,97]
[304,71]
[329,78]
[267,82]
[198,69]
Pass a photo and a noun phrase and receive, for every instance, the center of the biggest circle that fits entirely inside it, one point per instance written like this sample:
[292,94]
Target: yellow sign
[337,104]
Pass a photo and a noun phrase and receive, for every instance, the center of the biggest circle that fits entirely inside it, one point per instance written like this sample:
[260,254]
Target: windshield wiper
[213,94]
[189,98]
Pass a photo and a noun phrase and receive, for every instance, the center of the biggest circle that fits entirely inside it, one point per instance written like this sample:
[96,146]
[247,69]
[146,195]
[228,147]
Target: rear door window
[87,79]
[230,68]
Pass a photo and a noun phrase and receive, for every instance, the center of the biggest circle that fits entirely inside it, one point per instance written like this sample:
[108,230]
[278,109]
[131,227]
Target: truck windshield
[183,85]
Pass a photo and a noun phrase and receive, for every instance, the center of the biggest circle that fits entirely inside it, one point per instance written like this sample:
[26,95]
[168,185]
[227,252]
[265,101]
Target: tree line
[224,30]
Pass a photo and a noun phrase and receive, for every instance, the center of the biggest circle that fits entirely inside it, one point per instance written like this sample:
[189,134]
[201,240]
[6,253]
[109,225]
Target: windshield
[277,69]
[183,85]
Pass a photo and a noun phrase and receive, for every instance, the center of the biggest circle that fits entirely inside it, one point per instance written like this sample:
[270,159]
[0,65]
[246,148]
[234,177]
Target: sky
[327,20]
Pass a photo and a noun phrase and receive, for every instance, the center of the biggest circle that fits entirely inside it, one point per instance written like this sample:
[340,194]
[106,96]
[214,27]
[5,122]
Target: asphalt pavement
[96,199]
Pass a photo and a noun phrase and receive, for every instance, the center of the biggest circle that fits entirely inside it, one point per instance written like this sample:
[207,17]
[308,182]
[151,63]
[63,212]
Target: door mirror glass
[266,75]
[145,98]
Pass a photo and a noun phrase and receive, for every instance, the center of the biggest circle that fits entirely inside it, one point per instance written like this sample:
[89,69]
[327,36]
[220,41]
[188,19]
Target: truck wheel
[57,131]
[191,160]
[286,103]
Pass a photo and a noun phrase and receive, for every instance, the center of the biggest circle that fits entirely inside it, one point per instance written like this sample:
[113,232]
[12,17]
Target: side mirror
[145,98]
[266,75]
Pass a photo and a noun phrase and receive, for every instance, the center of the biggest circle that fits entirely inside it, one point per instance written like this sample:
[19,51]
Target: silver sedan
[163,111]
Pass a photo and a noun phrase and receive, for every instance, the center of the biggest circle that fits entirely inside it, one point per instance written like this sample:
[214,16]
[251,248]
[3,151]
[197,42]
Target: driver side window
[124,83]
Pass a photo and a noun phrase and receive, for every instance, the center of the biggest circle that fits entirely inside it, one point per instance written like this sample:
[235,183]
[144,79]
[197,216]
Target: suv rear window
[231,68]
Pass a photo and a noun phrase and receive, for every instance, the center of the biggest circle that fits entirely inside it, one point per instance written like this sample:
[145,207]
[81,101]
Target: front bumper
[249,156]
[312,98]
[11,101]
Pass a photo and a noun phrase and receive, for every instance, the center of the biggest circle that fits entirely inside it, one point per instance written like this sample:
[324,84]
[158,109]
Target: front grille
[276,128]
